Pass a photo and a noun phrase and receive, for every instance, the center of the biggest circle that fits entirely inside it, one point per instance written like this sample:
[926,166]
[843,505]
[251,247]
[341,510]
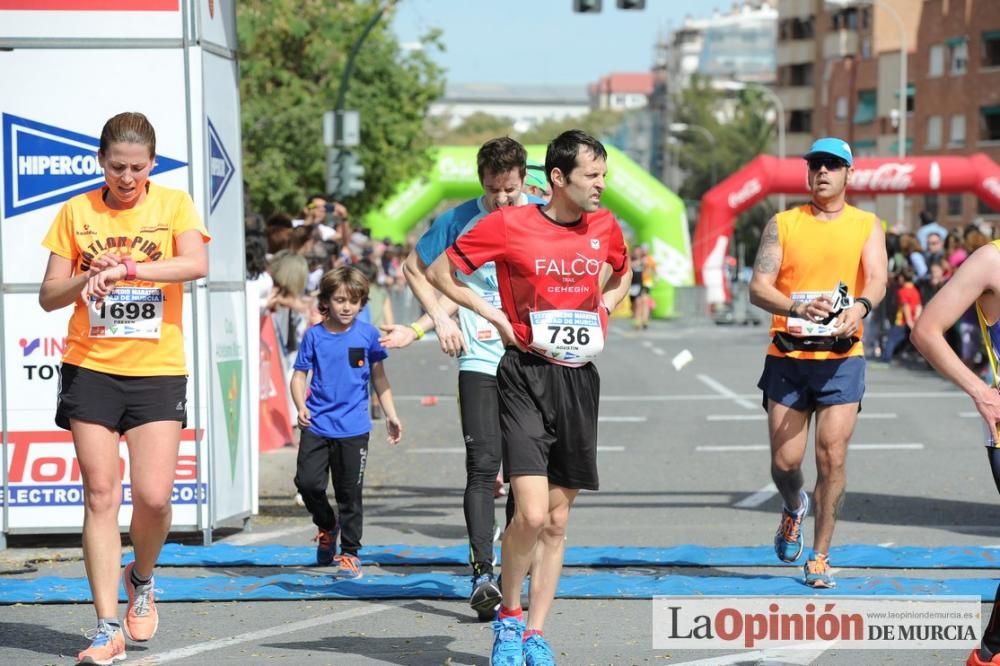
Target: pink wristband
[129,268]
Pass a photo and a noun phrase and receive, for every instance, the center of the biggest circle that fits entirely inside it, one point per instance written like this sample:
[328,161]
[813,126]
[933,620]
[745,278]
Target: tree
[742,129]
[292,55]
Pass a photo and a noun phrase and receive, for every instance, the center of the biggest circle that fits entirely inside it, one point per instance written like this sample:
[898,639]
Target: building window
[991,48]
[935,67]
[954,205]
[841,108]
[800,120]
[956,134]
[800,75]
[983,208]
[866,48]
[989,123]
[933,132]
[867,107]
[864,148]
[931,204]
[958,55]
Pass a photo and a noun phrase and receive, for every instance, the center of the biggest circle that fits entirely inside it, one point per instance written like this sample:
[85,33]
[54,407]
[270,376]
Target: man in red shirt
[548,262]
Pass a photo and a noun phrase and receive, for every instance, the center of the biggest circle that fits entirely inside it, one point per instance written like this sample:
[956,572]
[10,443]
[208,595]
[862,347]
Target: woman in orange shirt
[120,255]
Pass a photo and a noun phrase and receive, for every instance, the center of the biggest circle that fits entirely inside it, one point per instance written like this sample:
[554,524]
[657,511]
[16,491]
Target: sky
[542,41]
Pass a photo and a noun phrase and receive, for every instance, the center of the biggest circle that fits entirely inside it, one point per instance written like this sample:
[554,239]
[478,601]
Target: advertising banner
[230,437]
[49,144]
[91,19]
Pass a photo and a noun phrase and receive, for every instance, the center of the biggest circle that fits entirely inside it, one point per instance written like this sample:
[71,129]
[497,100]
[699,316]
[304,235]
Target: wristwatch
[129,268]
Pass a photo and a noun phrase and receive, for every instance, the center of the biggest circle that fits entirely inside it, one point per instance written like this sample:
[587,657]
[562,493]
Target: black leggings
[478,404]
[343,460]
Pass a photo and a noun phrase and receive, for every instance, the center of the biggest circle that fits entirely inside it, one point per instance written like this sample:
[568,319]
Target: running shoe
[326,546]
[537,652]
[817,572]
[982,657]
[788,540]
[508,642]
[107,646]
[485,597]
[348,567]
[141,618]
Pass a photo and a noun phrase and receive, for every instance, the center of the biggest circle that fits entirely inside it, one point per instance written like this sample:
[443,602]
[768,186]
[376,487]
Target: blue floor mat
[601,585]
[854,556]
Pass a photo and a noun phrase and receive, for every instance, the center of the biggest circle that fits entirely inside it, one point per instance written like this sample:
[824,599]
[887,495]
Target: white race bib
[807,327]
[127,312]
[571,337]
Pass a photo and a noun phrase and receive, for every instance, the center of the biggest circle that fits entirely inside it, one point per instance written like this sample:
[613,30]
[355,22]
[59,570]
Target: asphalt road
[682,462]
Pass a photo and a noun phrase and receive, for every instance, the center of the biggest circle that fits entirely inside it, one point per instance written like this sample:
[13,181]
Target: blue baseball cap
[830,145]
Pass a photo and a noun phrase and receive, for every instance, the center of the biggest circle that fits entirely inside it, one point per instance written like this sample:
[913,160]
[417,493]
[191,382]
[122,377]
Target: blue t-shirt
[482,339]
[341,367]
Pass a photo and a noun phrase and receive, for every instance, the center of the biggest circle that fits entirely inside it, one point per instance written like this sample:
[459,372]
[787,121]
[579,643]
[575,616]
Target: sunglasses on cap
[831,163]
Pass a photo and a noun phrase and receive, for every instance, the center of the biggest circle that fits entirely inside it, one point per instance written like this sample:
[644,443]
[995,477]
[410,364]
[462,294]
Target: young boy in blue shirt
[342,353]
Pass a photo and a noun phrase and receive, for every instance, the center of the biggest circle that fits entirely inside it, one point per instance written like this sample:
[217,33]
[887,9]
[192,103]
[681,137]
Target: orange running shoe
[348,567]
[107,646]
[976,659]
[141,618]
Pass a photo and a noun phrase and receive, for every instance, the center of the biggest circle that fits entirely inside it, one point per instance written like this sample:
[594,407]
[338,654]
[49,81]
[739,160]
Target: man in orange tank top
[820,270]
[977,281]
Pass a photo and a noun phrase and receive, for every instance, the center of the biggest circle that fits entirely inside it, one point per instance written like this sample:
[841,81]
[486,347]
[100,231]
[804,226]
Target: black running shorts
[548,420]
[117,401]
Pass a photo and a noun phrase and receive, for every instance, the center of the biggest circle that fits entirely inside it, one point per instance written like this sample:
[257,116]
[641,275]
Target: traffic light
[352,174]
[332,170]
[587,6]
[631,4]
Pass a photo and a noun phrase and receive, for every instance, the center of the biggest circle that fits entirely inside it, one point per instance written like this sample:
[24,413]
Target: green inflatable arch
[654,213]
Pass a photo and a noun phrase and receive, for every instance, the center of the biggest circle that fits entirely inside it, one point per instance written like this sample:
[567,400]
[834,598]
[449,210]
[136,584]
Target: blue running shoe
[817,572]
[537,652]
[508,642]
[788,540]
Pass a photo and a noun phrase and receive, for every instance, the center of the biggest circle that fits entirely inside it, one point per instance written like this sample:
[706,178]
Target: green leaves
[292,55]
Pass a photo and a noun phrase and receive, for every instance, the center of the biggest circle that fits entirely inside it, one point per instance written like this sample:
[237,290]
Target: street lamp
[676,128]
[901,126]
[779,109]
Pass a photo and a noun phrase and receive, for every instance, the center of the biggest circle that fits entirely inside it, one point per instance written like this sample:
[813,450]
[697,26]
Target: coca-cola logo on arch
[742,195]
[992,185]
[890,176]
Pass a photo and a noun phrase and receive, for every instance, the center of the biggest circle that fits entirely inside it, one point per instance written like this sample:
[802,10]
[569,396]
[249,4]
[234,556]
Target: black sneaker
[485,597]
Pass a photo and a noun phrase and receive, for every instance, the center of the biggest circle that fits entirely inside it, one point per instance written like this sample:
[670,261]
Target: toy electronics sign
[44,164]
[44,487]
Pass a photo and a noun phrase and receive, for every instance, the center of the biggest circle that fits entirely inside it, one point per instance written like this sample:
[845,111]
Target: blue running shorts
[804,385]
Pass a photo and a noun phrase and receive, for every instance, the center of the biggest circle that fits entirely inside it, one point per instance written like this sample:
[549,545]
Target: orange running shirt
[816,255]
[137,331]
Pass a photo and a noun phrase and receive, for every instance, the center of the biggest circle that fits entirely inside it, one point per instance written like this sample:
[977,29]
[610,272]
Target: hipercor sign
[44,164]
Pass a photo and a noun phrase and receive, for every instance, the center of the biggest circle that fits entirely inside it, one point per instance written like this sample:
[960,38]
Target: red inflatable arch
[769,175]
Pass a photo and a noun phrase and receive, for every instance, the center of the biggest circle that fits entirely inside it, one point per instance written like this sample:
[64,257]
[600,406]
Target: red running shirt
[543,265]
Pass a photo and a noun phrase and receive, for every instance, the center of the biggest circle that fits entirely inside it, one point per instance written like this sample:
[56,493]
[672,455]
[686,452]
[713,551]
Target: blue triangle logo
[44,164]
[220,167]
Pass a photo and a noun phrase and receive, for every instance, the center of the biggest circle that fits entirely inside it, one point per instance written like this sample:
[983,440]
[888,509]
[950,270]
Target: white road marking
[251,636]
[763,417]
[758,498]
[887,544]
[657,351]
[621,419]
[969,415]
[799,655]
[247,538]
[722,448]
[722,390]
[461,449]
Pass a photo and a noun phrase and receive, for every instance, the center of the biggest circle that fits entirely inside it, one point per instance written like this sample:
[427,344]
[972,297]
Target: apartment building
[839,74]
[956,75]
